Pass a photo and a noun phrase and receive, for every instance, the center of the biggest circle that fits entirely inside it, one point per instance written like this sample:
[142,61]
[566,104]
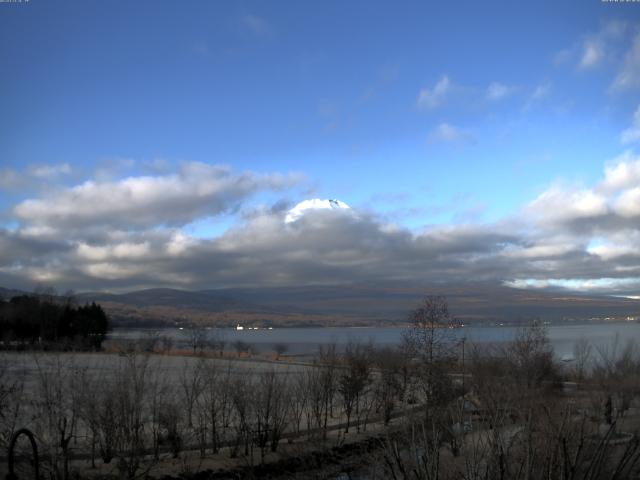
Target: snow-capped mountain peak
[314,204]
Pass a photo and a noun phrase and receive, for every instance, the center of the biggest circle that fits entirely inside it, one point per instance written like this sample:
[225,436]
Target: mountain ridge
[352,305]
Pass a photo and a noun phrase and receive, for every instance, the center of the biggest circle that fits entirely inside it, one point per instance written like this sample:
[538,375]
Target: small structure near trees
[11,475]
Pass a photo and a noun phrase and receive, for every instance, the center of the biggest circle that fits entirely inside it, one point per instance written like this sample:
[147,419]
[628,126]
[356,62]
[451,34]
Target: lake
[306,340]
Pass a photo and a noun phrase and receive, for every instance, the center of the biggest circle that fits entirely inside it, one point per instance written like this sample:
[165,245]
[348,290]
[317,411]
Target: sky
[162,144]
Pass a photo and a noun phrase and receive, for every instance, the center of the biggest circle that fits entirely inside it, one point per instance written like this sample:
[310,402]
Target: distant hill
[168,297]
[354,305]
[7,293]
[165,306]
[350,305]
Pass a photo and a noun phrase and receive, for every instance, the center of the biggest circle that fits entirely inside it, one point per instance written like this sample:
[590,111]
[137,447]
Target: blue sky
[423,116]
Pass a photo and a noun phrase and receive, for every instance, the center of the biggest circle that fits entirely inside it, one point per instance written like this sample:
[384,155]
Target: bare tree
[530,356]
[170,421]
[89,401]
[197,338]
[242,399]
[414,453]
[354,379]
[159,391]
[430,340]
[280,349]
[11,399]
[299,391]
[430,335]
[324,386]
[58,405]
[316,394]
[166,343]
[130,402]
[216,340]
[241,347]
[530,431]
[615,370]
[215,402]
[191,387]
[391,382]
[582,350]
[270,411]
[148,342]
[104,420]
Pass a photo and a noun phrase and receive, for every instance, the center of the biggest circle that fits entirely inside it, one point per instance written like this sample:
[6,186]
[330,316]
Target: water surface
[307,340]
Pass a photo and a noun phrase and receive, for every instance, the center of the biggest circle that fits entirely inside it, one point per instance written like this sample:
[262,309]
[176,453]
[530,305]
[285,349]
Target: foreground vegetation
[431,408]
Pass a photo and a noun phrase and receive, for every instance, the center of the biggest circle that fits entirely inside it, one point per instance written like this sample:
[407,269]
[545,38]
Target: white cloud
[616,245]
[499,91]
[39,231]
[592,54]
[430,98]
[112,271]
[10,179]
[179,243]
[563,56]
[447,133]
[628,203]
[632,134]
[257,25]
[50,171]
[30,176]
[621,173]
[598,47]
[595,48]
[568,236]
[542,250]
[118,251]
[610,252]
[198,189]
[539,93]
[599,285]
[611,205]
[560,204]
[629,74]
